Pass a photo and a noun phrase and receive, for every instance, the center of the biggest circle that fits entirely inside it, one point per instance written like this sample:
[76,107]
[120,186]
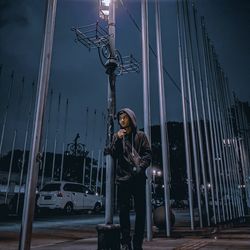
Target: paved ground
[79,232]
[232,236]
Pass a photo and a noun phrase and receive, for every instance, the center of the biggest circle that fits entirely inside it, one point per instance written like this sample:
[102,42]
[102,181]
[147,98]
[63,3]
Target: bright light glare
[104,9]
[105,2]
[105,12]
[159,173]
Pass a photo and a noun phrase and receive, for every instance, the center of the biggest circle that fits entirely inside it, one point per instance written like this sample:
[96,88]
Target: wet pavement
[228,236]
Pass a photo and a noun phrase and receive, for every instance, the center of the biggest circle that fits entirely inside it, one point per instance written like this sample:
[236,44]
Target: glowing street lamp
[104,9]
[155,173]
[159,173]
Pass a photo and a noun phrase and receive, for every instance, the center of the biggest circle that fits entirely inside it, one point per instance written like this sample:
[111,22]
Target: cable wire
[150,47]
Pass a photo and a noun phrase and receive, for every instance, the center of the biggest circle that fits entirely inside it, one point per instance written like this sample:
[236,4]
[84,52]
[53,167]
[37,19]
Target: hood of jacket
[131,115]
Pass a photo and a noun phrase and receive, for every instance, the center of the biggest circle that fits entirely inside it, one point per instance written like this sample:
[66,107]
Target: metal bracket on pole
[94,36]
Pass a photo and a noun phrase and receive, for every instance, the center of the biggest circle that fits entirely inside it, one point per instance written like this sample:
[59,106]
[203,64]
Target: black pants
[132,188]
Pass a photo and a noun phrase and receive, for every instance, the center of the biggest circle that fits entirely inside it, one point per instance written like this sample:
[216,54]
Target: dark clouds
[228,24]
[10,14]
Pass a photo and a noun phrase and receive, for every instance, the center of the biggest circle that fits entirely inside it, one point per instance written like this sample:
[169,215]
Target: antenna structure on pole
[93,36]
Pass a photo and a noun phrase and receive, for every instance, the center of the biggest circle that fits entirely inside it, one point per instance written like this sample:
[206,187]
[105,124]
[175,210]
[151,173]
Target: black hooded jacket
[132,153]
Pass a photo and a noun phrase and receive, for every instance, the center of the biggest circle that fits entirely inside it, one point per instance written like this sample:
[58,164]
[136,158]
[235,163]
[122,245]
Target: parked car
[68,196]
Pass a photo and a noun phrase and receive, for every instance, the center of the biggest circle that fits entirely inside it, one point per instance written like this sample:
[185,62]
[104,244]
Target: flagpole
[35,156]
[6,112]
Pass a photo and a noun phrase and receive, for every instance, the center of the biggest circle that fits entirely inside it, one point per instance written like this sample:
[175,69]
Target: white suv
[68,196]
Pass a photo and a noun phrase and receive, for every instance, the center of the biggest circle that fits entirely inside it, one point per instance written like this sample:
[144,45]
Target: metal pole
[224,159]
[102,168]
[194,143]
[245,154]
[10,166]
[243,139]
[238,193]
[65,137]
[231,161]
[24,147]
[56,135]
[14,142]
[44,159]
[200,138]
[206,74]
[83,171]
[221,97]
[93,131]
[146,107]
[229,151]
[86,129]
[54,158]
[219,137]
[223,135]
[97,171]
[164,135]
[34,160]
[91,169]
[215,127]
[185,124]
[242,156]
[207,142]
[62,162]
[6,112]
[236,167]
[240,176]
[110,66]
[22,169]
[46,139]
[239,179]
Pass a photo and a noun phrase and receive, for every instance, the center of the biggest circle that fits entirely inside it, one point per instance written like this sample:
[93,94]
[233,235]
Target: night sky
[77,74]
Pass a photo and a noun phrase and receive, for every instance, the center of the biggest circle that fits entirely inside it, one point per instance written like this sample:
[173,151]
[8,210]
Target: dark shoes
[126,247]
[137,244]
[137,248]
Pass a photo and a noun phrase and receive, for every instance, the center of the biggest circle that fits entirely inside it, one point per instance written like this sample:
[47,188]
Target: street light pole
[146,108]
[94,36]
[111,66]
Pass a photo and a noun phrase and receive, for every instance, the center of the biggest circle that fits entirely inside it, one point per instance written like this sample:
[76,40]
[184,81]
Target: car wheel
[97,207]
[68,209]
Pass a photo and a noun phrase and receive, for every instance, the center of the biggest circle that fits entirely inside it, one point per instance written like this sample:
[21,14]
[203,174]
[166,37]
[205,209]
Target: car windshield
[51,187]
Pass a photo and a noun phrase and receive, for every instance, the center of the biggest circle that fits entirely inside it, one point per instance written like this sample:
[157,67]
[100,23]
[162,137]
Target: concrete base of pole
[108,237]
[159,217]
